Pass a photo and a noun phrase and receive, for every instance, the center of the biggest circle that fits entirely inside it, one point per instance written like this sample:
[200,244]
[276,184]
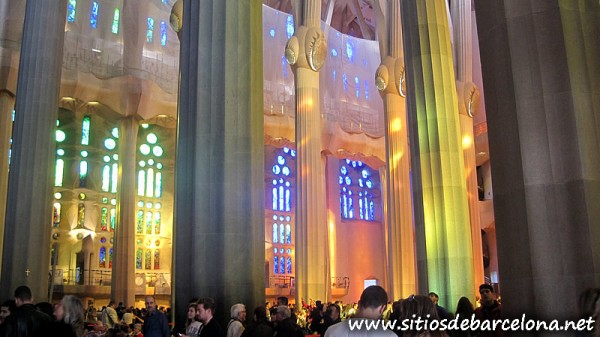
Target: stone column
[7,103]
[441,209]
[542,113]
[306,52]
[390,77]
[29,201]
[123,271]
[219,248]
[468,100]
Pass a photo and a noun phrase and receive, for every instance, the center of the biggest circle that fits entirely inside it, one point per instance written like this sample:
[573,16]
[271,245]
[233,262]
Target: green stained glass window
[140,222]
[115,24]
[150,183]
[104,219]
[115,178]
[83,170]
[141,182]
[158,184]
[85,131]
[148,222]
[148,259]
[113,219]
[58,175]
[81,214]
[138,259]
[105,178]
[157,223]
[156,259]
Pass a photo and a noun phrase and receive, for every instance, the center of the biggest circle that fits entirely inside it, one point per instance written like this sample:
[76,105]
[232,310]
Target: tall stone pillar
[7,103]
[441,209]
[29,201]
[542,114]
[401,264]
[123,271]
[219,226]
[468,100]
[306,52]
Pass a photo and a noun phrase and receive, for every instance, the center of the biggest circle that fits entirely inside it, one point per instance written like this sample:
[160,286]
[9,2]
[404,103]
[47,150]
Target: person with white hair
[235,327]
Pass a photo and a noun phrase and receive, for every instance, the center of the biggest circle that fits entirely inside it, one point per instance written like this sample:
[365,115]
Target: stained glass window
[358,185]
[281,265]
[94,15]
[81,214]
[85,131]
[115,24]
[83,169]
[156,259]
[157,223]
[150,33]
[276,264]
[289,264]
[115,177]
[105,178]
[275,236]
[113,219]
[110,258]
[141,186]
[290,26]
[140,222]
[71,10]
[158,185]
[56,215]
[163,33]
[148,259]
[148,222]
[104,219]
[102,257]
[58,175]
[150,183]
[138,259]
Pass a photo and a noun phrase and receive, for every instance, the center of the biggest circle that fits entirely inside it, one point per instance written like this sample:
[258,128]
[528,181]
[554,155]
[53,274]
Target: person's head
[150,304]
[417,305]
[112,304]
[191,315]
[434,297]
[205,309]
[334,311]
[238,311]
[23,295]
[260,314]
[6,309]
[464,308]
[373,301]
[46,308]
[99,326]
[70,310]
[282,313]
[137,327]
[486,291]
[282,300]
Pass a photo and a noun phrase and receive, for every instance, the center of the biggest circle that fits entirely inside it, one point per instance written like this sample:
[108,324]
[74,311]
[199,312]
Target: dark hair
[111,303]
[373,297]
[23,293]
[208,304]
[464,307]
[260,314]
[283,300]
[10,304]
[434,294]
[46,308]
[486,286]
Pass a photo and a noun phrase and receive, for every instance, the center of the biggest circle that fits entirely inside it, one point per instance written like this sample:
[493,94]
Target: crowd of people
[20,317]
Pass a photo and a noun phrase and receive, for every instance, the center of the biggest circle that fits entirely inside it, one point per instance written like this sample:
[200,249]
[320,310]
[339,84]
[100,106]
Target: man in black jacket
[26,320]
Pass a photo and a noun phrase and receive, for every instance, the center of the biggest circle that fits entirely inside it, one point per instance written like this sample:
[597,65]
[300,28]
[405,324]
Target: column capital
[390,77]
[307,48]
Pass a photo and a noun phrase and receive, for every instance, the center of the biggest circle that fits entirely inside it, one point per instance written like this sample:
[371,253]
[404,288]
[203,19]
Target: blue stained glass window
[289,265]
[281,265]
[102,257]
[275,236]
[366,89]
[281,233]
[272,32]
[276,265]
[150,31]
[163,33]
[345,82]
[334,52]
[349,50]
[284,65]
[71,10]
[290,26]
[357,186]
[357,84]
[288,234]
[116,20]
[275,198]
[94,15]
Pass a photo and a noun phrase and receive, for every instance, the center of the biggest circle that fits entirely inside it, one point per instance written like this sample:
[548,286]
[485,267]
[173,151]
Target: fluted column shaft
[29,203]
[7,103]
[463,47]
[401,264]
[219,222]
[123,271]
[441,209]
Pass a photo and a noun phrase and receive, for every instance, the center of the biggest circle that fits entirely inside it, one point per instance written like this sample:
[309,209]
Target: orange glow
[467,141]
[396,125]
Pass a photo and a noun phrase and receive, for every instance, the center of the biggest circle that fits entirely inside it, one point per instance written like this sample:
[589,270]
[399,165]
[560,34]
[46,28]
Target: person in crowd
[316,318]
[128,316]
[137,330]
[333,316]
[235,327]
[416,306]
[206,310]
[589,306]
[69,318]
[6,309]
[464,311]
[259,327]
[373,301]
[284,326]
[490,309]
[282,300]
[155,323]
[109,315]
[26,320]
[192,325]
[442,312]
[395,315]
[98,331]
